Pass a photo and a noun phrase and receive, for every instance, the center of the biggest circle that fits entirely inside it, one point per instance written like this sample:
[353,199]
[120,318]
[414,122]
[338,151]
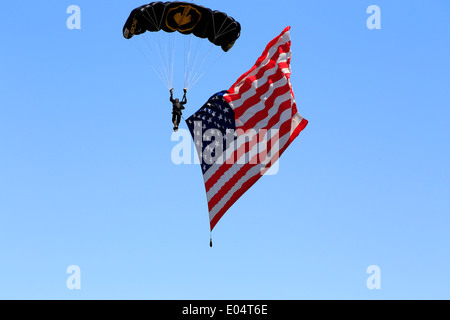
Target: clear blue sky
[86,176]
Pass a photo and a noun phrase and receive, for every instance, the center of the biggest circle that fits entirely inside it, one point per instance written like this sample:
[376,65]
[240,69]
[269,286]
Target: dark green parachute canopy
[186,18]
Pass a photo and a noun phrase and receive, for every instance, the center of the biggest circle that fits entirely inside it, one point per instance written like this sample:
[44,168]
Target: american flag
[241,132]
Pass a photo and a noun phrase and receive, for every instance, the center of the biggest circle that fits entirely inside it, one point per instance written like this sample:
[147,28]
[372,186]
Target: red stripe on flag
[284,129]
[264,113]
[272,64]
[239,111]
[248,146]
[247,185]
[261,59]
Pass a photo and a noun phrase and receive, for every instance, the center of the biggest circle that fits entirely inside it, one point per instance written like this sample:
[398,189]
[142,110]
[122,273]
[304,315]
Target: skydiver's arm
[171,96]
[184,96]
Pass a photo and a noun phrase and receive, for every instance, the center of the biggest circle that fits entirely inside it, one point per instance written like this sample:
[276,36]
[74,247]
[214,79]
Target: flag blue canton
[214,119]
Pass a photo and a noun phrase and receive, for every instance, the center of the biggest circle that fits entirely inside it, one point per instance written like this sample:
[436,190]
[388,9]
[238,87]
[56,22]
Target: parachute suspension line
[184,65]
[162,52]
[207,69]
[173,51]
[195,61]
[159,74]
[203,61]
[225,31]
[190,74]
[218,34]
[197,77]
[166,48]
[162,67]
[170,57]
[162,73]
[186,62]
[150,18]
[167,51]
[158,47]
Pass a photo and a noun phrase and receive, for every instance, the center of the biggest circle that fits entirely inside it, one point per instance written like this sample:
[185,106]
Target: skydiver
[177,108]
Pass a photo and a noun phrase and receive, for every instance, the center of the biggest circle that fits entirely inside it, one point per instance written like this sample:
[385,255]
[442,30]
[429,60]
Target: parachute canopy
[186,18]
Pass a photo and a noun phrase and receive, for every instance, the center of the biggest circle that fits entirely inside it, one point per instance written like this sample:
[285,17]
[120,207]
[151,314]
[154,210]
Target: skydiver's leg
[176,121]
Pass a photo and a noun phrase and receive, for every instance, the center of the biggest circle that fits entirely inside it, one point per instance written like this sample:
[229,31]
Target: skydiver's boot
[175,128]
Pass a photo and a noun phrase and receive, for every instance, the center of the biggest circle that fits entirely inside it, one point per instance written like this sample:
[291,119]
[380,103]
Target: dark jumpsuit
[177,108]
